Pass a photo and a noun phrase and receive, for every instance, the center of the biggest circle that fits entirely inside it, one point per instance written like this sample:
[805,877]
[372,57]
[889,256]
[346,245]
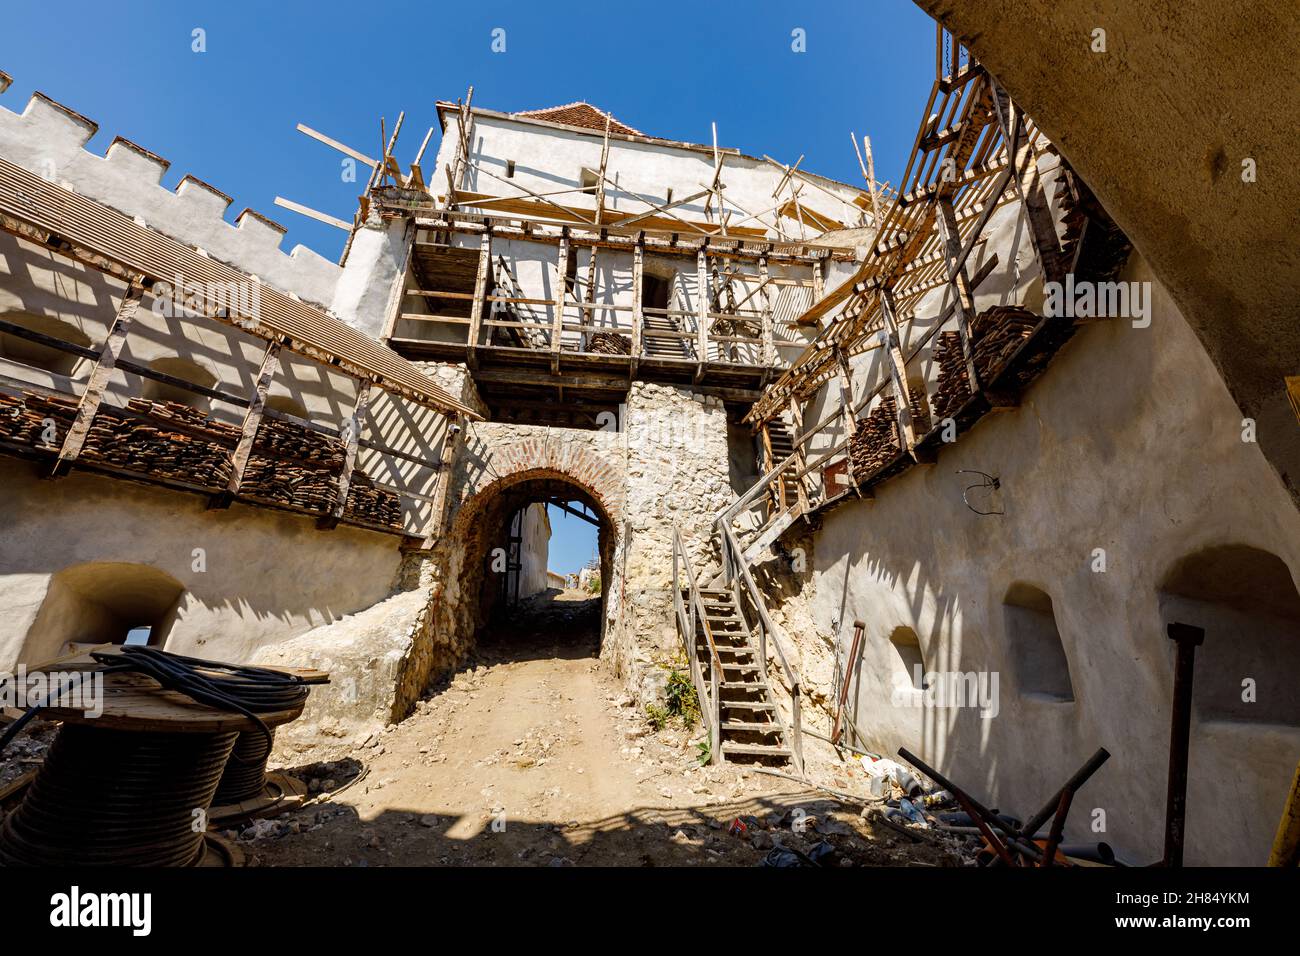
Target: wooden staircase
[749,728]
[780,446]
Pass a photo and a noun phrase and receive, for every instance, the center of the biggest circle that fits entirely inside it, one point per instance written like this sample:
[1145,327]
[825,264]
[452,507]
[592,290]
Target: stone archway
[500,467]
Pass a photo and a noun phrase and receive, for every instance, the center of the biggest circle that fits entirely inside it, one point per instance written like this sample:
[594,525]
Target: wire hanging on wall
[988,485]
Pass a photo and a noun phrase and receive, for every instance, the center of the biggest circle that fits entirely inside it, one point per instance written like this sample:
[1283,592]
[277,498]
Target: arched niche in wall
[34,354]
[1246,600]
[186,370]
[102,602]
[1042,669]
[908,661]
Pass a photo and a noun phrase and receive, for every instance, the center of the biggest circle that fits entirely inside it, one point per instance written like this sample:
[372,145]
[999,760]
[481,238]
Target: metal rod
[1187,637]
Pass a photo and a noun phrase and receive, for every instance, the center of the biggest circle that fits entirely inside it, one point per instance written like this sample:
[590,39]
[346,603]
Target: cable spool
[117,797]
[245,774]
[131,782]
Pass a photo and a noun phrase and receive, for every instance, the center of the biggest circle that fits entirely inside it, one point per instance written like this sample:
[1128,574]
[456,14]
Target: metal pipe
[1187,637]
[1080,777]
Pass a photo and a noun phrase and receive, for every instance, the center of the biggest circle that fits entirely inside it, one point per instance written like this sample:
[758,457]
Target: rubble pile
[997,333]
[875,442]
[370,503]
[954,388]
[609,343]
[290,464]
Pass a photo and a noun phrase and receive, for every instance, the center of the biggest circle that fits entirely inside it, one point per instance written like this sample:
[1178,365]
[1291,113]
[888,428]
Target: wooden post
[588,316]
[480,291]
[818,280]
[94,393]
[847,414]
[1042,230]
[351,436]
[561,282]
[800,459]
[702,305]
[897,372]
[252,419]
[451,443]
[769,338]
[638,286]
[963,298]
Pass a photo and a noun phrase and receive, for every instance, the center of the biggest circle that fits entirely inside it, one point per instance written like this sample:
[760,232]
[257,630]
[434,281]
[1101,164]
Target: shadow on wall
[101,603]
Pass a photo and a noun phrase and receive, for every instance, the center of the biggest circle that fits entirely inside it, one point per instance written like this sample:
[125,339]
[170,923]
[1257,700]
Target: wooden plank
[252,419]
[104,365]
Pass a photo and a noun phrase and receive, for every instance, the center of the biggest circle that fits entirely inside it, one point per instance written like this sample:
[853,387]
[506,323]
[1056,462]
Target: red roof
[581,114]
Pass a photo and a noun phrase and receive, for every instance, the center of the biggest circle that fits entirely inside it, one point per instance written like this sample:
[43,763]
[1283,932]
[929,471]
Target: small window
[1042,669]
[138,636]
[510,169]
[910,665]
[589,180]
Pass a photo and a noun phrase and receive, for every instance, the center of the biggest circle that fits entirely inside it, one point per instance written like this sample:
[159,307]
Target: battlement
[50,139]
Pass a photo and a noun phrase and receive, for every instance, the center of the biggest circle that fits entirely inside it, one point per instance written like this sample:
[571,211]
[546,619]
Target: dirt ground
[533,755]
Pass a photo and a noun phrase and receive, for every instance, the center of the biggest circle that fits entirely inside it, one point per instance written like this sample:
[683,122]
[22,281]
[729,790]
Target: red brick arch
[496,466]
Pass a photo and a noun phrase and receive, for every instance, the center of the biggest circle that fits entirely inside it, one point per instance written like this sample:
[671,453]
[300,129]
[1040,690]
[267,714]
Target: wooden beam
[452,441]
[963,297]
[104,365]
[847,406]
[313,213]
[351,438]
[480,291]
[897,371]
[248,433]
[638,316]
[561,288]
[769,339]
[702,305]
[335,144]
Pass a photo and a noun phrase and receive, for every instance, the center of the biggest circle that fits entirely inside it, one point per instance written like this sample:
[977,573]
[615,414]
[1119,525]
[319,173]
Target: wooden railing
[691,615]
[751,606]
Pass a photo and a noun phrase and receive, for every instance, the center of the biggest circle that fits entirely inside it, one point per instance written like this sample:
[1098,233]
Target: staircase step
[751,727]
[741,685]
[748,705]
[754,750]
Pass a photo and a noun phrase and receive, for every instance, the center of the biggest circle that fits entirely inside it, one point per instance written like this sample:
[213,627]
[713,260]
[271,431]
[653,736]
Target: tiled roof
[581,114]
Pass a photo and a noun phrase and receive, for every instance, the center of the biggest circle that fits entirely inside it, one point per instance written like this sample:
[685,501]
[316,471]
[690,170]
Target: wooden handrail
[736,575]
[686,624]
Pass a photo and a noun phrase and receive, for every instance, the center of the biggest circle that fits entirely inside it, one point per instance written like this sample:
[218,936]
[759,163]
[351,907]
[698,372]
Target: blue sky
[573,541]
[668,68]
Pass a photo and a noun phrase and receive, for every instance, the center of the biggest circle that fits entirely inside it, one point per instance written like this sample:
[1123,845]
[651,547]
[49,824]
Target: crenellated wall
[49,139]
